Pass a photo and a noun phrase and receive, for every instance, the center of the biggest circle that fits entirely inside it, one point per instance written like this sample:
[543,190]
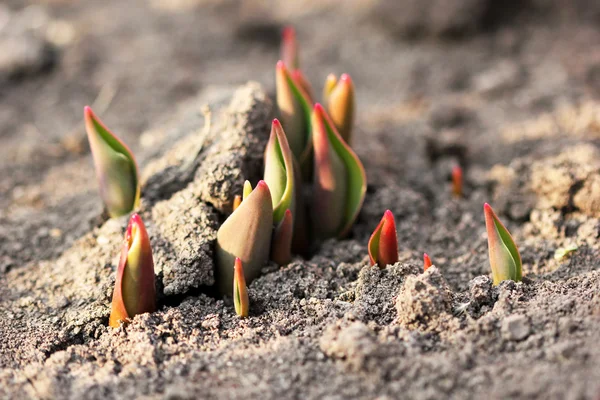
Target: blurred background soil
[507,89]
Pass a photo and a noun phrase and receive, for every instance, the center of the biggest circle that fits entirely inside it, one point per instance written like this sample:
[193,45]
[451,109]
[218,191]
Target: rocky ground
[507,89]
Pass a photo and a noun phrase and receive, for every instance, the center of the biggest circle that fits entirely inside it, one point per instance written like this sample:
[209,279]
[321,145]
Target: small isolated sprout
[426,262]
[115,165]
[134,291]
[563,252]
[383,244]
[241,301]
[457,181]
[505,259]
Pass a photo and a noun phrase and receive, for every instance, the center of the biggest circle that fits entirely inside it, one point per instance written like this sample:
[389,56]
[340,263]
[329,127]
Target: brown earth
[507,89]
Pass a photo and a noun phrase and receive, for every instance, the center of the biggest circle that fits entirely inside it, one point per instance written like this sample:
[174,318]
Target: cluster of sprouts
[313,188]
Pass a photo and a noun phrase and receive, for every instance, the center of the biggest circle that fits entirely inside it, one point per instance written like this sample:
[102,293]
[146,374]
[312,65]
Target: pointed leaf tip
[241,301]
[383,244]
[340,105]
[504,256]
[134,291]
[116,168]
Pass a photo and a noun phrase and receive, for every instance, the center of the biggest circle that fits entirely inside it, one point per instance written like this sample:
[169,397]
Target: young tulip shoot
[289,48]
[505,259]
[245,234]
[279,172]
[426,262]
[339,100]
[383,244]
[457,181]
[134,291]
[241,301]
[294,112]
[115,165]
[339,180]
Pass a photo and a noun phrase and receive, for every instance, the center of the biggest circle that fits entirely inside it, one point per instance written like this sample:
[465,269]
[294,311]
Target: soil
[509,90]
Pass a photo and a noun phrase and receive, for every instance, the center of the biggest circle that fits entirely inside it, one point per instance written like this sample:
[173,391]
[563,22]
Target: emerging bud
[279,172]
[289,48]
[294,111]
[457,181]
[339,180]
[281,245]
[241,301]
[116,168]
[134,291]
[426,262]
[505,259]
[383,244]
[246,234]
[339,99]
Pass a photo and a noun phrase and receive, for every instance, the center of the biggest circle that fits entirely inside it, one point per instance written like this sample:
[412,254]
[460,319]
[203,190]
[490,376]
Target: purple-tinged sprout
[505,259]
[281,246]
[241,302]
[339,101]
[289,48]
[339,180]
[457,181]
[294,112]
[115,165]
[426,262]
[383,244]
[245,234]
[134,291]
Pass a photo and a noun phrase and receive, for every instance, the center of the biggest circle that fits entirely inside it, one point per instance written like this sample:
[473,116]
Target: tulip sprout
[134,291]
[279,176]
[339,180]
[426,262]
[245,234]
[116,168]
[240,292]
[294,111]
[383,244]
[338,97]
[505,259]
[457,181]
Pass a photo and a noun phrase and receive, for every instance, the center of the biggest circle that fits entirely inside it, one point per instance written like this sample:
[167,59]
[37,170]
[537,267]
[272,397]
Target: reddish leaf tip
[345,78]
[276,122]
[262,185]
[319,108]
[281,65]
[288,32]
[426,262]
[388,214]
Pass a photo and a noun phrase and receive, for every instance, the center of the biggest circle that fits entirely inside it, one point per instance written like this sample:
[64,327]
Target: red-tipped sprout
[115,165]
[339,180]
[505,259]
[289,48]
[457,181]
[426,262]
[295,108]
[241,301]
[340,104]
[245,234]
[134,291]
[383,244]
